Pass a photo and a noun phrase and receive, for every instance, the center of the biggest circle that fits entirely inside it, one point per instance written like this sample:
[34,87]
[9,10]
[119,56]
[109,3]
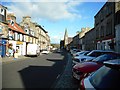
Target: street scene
[67,44]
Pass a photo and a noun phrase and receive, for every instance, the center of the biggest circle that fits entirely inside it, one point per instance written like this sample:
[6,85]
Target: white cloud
[55,39]
[58,0]
[45,10]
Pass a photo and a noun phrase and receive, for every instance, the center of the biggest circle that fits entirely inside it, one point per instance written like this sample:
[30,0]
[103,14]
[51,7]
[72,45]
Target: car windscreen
[81,53]
[85,53]
[94,54]
[105,77]
[106,57]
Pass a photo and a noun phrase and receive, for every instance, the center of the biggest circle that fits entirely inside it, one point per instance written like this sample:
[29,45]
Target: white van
[33,49]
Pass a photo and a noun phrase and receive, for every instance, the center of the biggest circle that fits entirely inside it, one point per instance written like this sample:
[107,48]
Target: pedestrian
[10,52]
[13,52]
[16,54]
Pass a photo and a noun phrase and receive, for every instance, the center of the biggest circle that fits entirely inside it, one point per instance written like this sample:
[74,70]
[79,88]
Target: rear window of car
[105,77]
[86,53]
[81,52]
[107,57]
[95,54]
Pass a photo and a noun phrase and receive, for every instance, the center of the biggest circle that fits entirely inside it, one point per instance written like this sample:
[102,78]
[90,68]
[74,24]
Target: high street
[34,72]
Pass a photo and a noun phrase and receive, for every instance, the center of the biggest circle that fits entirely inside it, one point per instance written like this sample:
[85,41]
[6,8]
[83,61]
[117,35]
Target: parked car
[107,77]
[78,54]
[73,51]
[44,51]
[90,56]
[81,70]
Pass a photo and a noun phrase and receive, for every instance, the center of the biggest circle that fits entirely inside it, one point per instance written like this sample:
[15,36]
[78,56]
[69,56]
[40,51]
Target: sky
[56,16]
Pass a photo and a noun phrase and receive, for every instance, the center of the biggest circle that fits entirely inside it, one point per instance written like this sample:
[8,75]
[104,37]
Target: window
[95,54]
[102,15]
[106,57]
[21,37]
[105,77]
[15,35]
[18,37]
[12,22]
[11,35]
[102,31]
[97,33]
[109,28]
[27,31]
[2,11]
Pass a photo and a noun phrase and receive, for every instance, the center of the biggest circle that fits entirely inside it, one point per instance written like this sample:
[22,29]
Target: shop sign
[18,42]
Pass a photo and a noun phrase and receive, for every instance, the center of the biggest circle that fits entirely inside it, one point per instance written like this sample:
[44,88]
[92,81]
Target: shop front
[3,43]
[105,44]
[19,47]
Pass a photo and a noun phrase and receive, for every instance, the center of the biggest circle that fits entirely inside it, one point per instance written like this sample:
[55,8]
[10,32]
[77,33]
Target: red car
[81,70]
[107,77]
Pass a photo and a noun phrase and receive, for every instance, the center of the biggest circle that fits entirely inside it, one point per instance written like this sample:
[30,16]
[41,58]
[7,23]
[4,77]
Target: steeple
[65,38]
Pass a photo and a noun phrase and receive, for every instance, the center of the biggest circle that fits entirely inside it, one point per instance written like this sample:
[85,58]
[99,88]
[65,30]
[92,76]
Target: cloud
[58,0]
[52,11]
[55,39]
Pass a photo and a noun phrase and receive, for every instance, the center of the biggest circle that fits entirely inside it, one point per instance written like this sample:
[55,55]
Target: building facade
[117,26]
[78,39]
[3,31]
[16,35]
[43,38]
[90,40]
[40,36]
[105,26]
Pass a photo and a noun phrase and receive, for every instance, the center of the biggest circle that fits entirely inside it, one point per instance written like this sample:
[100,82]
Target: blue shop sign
[3,47]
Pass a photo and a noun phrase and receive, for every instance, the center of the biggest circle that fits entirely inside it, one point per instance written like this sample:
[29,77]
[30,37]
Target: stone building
[30,29]
[78,39]
[16,35]
[70,39]
[105,26]
[90,40]
[43,38]
[117,26]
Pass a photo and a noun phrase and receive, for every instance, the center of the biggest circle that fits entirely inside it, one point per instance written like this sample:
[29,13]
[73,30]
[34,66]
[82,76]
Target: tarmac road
[34,72]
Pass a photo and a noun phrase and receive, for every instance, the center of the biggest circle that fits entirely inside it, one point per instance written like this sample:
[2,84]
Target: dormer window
[12,22]
[25,30]
[2,11]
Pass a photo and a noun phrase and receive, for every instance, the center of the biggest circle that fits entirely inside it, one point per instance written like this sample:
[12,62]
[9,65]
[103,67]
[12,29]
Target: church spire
[65,38]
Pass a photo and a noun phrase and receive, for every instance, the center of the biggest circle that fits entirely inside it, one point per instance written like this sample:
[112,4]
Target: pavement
[66,80]
[11,59]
